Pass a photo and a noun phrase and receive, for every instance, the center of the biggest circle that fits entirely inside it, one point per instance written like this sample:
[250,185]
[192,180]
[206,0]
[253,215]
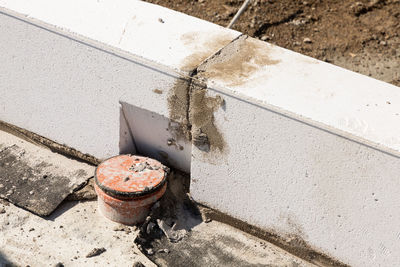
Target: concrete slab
[35,178]
[217,244]
[66,237]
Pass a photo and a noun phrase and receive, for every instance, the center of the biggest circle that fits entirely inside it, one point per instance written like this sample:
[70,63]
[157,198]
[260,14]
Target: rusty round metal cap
[130,176]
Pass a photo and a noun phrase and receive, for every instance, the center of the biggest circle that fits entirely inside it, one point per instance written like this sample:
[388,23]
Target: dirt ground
[363,36]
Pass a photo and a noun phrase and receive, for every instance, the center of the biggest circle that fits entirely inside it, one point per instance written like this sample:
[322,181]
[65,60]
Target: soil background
[363,36]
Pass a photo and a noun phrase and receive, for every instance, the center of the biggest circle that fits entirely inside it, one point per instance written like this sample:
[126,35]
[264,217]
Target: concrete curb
[281,141]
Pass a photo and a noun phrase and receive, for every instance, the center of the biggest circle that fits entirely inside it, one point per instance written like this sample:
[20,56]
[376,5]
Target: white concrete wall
[311,152]
[309,149]
[64,69]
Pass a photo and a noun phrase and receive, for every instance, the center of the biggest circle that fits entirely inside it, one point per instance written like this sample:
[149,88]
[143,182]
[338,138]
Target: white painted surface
[287,176]
[150,31]
[152,132]
[321,92]
[68,64]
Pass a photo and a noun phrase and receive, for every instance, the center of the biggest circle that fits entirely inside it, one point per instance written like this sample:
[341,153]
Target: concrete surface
[217,244]
[36,178]
[66,237]
[75,229]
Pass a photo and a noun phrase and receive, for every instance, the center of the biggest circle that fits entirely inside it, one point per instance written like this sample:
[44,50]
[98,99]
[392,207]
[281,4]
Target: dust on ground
[363,36]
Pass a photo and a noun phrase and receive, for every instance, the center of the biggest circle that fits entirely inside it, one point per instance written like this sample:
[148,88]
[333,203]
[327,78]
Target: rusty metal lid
[130,176]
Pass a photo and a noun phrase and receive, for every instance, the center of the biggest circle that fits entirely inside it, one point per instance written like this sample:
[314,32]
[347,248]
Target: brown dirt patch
[363,36]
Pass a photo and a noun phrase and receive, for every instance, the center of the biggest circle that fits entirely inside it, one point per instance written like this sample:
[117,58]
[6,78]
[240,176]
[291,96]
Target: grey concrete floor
[75,228]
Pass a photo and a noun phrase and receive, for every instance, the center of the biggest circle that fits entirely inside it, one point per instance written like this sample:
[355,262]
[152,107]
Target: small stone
[60,264]
[208,220]
[126,179]
[161,20]
[163,250]
[384,43]
[150,251]
[150,227]
[95,252]
[32,229]
[307,40]
[119,228]
[1,186]
[2,210]
[138,264]
[31,192]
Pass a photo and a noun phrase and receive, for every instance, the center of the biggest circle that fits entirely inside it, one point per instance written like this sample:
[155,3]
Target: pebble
[138,264]
[2,210]
[163,250]
[307,40]
[95,252]
[150,251]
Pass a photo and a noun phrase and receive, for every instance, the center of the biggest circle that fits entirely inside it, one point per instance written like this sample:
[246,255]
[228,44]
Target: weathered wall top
[309,90]
[182,42]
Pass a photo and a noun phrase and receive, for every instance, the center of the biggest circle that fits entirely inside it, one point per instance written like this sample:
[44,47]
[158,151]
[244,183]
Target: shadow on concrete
[63,207]
[4,262]
[173,217]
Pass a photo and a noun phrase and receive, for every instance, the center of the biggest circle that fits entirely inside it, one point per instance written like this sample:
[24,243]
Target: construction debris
[35,178]
[95,252]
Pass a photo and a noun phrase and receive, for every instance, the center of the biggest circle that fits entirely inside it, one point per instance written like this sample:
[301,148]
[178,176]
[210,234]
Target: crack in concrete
[194,111]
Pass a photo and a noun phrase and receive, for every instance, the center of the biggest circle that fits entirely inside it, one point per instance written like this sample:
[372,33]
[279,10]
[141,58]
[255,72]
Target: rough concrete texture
[217,244]
[77,235]
[35,178]
[97,57]
[311,186]
[66,237]
[176,234]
